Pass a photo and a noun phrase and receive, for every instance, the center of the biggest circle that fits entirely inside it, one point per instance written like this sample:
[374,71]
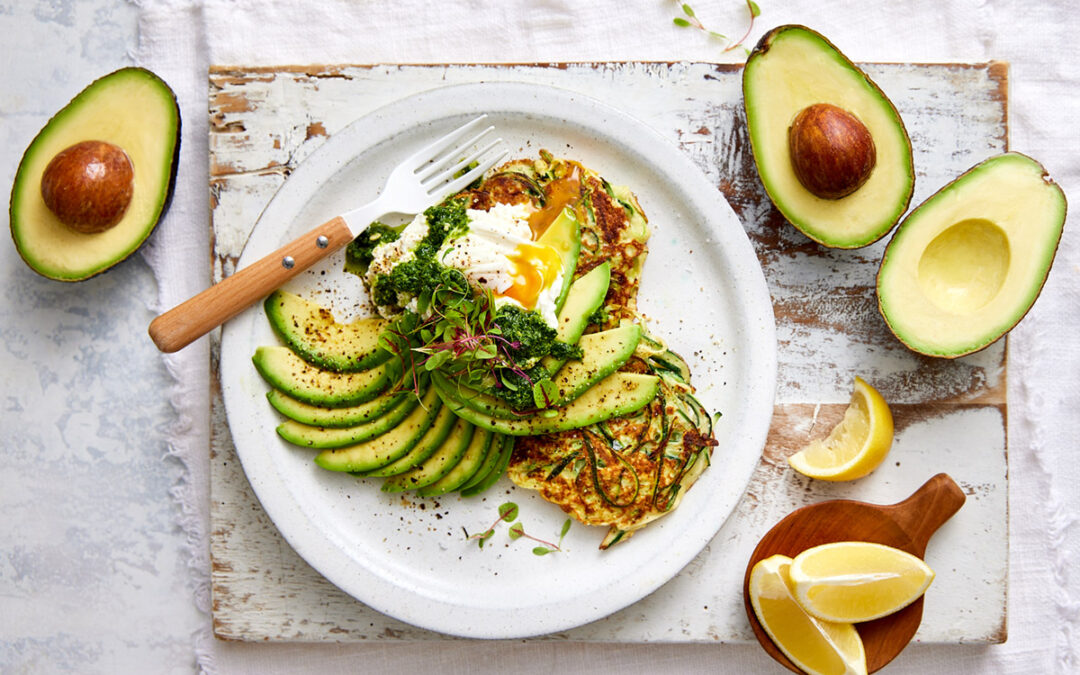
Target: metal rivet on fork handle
[322,241]
[287,262]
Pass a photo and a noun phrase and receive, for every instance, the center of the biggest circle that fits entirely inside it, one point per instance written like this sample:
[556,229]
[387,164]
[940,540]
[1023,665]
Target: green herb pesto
[423,274]
[361,251]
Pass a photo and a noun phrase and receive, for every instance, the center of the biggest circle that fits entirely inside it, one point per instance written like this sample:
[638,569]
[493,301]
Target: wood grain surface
[950,416]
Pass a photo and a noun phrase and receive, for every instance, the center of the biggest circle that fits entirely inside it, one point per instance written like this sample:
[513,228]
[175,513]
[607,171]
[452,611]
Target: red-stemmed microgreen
[507,512]
[690,20]
[517,530]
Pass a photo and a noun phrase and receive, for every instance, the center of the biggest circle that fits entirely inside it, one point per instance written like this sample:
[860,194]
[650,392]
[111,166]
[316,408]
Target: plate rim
[401,117]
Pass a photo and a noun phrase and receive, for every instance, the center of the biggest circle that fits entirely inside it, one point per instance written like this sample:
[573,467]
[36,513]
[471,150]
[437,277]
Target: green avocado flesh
[564,236]
[791,68]
[311,332]
[284,370]
[967,264]
[617,394]
[132,109]
[389,447]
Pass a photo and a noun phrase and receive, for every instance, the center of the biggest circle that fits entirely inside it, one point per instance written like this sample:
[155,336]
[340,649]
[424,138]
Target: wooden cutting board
[950,416]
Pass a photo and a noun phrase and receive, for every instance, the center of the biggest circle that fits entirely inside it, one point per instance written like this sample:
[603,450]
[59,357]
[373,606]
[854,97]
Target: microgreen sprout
[508,512]
[690,20]
[517,530]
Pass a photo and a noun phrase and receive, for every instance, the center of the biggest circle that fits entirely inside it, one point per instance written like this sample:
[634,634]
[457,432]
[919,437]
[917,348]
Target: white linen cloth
[179,39]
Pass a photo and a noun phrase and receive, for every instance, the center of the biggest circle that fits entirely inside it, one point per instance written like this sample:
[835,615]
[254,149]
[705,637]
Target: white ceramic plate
[702,291]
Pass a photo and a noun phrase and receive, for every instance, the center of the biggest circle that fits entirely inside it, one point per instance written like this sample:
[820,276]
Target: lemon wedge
[855,446]
[856,581]
[815,646]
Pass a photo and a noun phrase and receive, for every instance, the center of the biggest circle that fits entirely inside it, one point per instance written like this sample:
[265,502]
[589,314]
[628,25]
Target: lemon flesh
[815,646]
[855,446]
[854,581]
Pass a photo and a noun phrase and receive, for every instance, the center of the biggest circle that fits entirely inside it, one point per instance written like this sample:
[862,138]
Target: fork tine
[472,174]
[458,166]
[434,149]
[450,156]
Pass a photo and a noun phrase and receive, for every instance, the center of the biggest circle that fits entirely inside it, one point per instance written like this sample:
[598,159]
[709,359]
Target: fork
[432,173]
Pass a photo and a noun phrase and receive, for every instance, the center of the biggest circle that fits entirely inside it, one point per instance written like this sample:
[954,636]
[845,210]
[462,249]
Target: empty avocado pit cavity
[968,263]
[89,185]
[832,152]
[964,267]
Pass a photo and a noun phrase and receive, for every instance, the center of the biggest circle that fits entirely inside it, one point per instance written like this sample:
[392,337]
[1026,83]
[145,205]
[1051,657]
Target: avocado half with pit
[832,152]
[968,263]
[97,178]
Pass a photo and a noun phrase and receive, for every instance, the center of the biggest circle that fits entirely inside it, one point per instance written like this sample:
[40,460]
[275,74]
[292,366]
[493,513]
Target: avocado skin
[169,187]
[889,253]
[763,46]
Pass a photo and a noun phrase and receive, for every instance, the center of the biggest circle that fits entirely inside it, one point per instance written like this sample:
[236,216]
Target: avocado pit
[832,151]
[88,186]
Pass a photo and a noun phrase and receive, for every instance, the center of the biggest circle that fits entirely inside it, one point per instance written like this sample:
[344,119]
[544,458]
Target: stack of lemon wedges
[809,604]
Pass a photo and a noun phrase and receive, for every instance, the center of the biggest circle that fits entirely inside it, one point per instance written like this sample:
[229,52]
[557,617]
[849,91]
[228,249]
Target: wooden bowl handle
[921,514]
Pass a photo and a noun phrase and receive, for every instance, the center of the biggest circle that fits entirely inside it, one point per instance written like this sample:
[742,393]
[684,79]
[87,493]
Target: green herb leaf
[544,393]
[755,11]
[687,10]
[437,359]
[516,531]
[679,21]
[565,529]
[508,511]
[541,550]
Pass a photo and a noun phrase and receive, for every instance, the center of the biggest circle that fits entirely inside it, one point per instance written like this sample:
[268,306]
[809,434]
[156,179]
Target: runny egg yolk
[536,266]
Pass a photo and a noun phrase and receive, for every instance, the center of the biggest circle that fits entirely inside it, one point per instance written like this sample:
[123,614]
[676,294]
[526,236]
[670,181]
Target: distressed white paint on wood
[950,415]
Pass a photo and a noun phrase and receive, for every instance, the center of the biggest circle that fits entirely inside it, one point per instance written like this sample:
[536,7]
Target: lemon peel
[855,581]
[856,446]
[815,646]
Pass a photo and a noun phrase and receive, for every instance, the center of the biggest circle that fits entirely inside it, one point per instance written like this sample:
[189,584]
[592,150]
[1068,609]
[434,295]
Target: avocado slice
[311,331]
[485,480]
[284,370]
[428,444]
[329,437]
[583,298]
[132,109]
[968,263]
[564,236]
[388,447]
[436,466]
[480,446]
[791,69]
[617,394]
[334,418]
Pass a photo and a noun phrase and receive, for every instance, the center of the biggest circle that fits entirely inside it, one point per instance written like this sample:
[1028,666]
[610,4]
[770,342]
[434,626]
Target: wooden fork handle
[197,316]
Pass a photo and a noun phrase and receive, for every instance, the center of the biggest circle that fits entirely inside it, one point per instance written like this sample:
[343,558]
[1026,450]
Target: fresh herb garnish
[509,512]
[690,20]
[447,325]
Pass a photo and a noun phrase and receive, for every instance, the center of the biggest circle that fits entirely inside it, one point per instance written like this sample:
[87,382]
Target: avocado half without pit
[830,148]
[97,178]
[968,263]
